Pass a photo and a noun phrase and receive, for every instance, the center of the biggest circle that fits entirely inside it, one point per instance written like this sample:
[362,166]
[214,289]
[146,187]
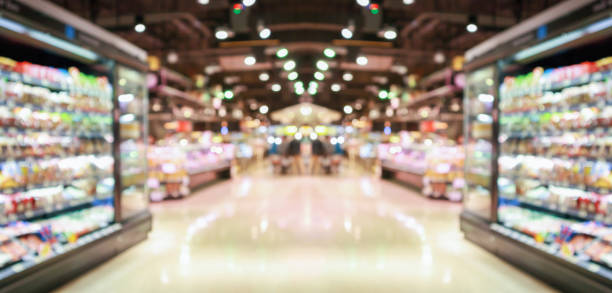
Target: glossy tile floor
[305,234]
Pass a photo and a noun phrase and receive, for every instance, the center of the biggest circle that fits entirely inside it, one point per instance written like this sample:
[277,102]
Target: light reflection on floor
[305,234]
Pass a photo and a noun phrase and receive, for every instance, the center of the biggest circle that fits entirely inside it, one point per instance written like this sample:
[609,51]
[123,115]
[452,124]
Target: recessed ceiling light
[313,84]
[276,87]
[228,94]
[221,34]
[250,60]
[362,60]
[299,90]
[383,94]
[289,65]
[439,57]
[390,34]
[363,3]
[346,33]
[248,3]
[264,76]
[312,91]
[329,53]
[347,76]
[282,53]
[348,109]
[471,27]
[172,57]
[293,75]
[319,75]
[298,84]
[322,65]
[336,87]
[265,33]
[408,2]
[263,109]
[204,2]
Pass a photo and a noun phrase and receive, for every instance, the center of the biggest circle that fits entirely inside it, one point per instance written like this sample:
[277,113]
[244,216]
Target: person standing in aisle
[318,151]
[295,152]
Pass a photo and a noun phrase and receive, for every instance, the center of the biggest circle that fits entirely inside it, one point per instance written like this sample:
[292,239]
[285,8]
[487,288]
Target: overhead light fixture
[204,2]
[276,87]
[289,65]
[319,75]
[336,87]
[329,53]
[347,76]
[313,84]
[264,76]
[408,2]
[265,33]
[172,57]
[472,25]
[322,65]
[299,91]
[389,33]
[228,94]
[383,94]
[348,109]
[222,33]
[139,25]
[263,109]
[363,3]
[312,91]
[282,53]
[293,75]
[298,84]
[346,33]
[439,57]
[248,3]
[250,60]
[362,60]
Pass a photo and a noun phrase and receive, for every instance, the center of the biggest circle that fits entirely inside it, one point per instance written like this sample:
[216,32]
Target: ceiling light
[276,87]
[336,87]
[383,94]
[293,75]
[322,65]
[363,3]
[228,94]
[282,53]
[348,109]
[346,33]
[312,91]
[390,33]
[298,84]
[313,84]
[472,27]
[289,65]
[362,60]
[222,33]
[347,76]
[248,3]
[139,25]
[299,90]
[265,33]
[319,75]
[329,53]
[439,57]
[264,76]
[172,57]
[250,60]
[408,2]
[204,2]
[263,109]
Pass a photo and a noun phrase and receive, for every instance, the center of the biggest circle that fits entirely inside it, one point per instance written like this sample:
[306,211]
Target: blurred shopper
[318,152]
[295,152]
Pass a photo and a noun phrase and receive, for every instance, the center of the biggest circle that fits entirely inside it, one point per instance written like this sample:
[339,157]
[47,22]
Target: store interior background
[312,146]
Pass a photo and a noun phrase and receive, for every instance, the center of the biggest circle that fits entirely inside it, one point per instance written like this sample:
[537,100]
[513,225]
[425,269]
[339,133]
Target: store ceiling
[306,28]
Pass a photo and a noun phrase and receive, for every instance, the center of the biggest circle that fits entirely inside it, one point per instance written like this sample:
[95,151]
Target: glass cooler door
[479,105]
[131,96]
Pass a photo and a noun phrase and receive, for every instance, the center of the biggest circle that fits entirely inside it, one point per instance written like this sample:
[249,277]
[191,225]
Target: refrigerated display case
[59,197]
[549,149]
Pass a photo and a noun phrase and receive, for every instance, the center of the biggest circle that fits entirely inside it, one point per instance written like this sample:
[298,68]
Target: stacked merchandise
[176,163]
[56,165]
[431,162]
[555,163]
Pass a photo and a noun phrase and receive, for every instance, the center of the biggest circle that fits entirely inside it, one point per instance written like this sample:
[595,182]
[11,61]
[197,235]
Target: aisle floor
[305,234]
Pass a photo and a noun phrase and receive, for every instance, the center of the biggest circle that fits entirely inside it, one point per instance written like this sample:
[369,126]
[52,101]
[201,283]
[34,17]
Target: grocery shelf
[540,205]
[52,210]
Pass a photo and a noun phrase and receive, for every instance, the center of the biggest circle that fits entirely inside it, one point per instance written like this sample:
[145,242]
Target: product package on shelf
[177,162]
[56,163]
[555,164]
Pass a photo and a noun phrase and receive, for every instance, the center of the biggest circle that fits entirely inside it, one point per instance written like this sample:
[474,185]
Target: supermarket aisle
[305,234]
